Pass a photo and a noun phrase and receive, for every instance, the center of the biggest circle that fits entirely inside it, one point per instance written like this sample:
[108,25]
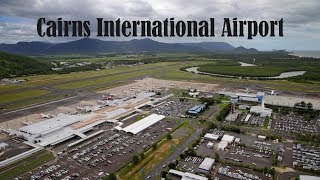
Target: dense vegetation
[14,65]
[223,113]
[267,64]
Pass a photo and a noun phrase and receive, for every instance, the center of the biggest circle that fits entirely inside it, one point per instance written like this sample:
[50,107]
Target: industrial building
[228,138]
[210,145]
[222,145]
[307,177]
[211,137]
[186,175]
[248,97]
[247,118]
[197,109]
[206,165]
[3,145]
[261,110]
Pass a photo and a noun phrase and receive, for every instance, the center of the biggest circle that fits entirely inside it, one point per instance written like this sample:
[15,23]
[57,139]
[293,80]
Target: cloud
[301,18]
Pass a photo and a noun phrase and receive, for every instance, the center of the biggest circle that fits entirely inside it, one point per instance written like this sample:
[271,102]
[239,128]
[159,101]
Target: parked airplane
[101,101]
[107,97]
[85,108]
[46,115]
[273,92]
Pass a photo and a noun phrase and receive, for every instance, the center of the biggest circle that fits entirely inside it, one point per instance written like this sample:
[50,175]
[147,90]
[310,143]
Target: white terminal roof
[207,164]
[227,138]
[211,136]
[143,123]
[55,123]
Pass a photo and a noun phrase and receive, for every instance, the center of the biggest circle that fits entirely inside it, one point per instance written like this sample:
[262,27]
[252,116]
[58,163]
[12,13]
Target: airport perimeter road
[158,169]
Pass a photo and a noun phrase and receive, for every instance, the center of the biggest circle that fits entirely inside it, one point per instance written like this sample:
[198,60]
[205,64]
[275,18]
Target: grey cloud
[299,16]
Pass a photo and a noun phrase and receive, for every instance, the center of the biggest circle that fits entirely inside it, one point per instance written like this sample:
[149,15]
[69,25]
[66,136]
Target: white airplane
[101,102]
[26,123]
[107,97]
[245,90]
[46,115]
[84,108]
[273,92]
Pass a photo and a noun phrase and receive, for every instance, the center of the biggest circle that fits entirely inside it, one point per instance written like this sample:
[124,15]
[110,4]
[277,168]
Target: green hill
[11,64]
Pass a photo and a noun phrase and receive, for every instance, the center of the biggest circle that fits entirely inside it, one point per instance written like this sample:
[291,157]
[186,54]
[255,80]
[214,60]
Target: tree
[217,157]
[141,155]
[169,136]
[190,152]
[135,159]
[111,176]
[154,145]
[163,174]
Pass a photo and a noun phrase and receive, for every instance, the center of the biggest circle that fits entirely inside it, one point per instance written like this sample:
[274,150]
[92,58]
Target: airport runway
[76,94]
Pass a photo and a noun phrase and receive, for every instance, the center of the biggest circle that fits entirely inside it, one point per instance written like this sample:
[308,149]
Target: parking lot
[190,164]
[306,157]
[15,146]
[174,107]
[234,172]
[102,154]
[249,156]
[293,123]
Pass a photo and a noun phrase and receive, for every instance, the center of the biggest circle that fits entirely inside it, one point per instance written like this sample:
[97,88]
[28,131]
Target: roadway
[158,169]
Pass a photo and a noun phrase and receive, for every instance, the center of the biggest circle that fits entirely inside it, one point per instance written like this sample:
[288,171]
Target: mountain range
[88,46]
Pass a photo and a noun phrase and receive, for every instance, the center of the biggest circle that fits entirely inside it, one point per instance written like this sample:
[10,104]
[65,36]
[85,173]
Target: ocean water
[311,53]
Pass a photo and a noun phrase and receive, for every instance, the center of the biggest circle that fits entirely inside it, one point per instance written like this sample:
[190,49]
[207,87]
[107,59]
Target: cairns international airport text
[169,27]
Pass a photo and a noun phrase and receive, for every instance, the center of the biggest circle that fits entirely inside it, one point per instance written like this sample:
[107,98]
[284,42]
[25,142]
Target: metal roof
[207,164]
[143,123]
[54,124]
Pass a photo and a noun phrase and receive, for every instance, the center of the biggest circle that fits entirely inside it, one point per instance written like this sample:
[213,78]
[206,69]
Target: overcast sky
[18,18]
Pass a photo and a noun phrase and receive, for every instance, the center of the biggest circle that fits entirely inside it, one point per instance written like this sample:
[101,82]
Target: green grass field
[15,96]
[33,101]
[154,156]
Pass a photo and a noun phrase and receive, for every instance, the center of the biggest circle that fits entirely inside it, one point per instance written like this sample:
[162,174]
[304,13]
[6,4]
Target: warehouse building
[211,137]
[197,109]
[261,110]
[222,145]
[210,145]
[206,165]
[228,138]
[249,97]
[186,175]
[3,145]
[307,177]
